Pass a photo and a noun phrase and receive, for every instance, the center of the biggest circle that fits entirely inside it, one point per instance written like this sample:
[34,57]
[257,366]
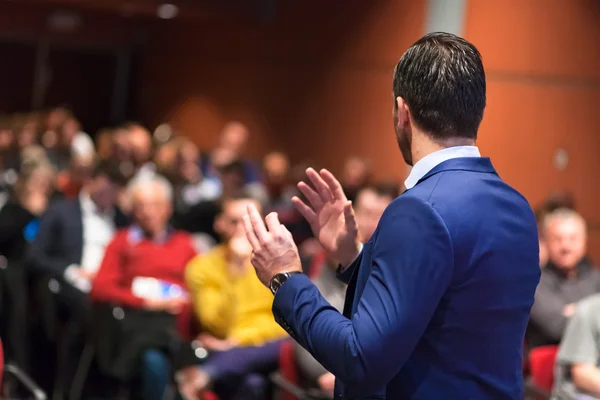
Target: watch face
[275,284]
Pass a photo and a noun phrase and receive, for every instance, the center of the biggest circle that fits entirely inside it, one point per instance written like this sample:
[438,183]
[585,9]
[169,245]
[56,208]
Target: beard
[404,140]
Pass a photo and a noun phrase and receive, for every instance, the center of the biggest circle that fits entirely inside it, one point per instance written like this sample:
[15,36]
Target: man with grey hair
[568,277]
[143,272]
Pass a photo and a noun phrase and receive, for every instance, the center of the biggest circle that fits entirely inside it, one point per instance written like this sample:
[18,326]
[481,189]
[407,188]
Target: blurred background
[251,92]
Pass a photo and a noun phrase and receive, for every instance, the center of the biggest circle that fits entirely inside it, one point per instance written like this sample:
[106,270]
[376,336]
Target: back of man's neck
[425,146]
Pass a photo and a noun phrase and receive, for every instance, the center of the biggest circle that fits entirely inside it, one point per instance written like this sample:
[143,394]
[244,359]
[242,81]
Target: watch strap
[279,279]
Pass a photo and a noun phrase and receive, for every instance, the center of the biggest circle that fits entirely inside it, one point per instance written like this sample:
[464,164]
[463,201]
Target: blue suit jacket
[439,299]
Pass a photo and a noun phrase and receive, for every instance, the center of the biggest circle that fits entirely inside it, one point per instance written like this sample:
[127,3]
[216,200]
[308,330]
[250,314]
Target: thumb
[349,217]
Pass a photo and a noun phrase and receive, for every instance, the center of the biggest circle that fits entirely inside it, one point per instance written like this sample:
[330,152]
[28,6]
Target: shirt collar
[430,161]
[88,206]
[136,235]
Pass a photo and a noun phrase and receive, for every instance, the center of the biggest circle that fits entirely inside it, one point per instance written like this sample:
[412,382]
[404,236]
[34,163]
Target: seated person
[371,202]
[234,310]
[66,253]
[567,278]
[578,363]
[136,260]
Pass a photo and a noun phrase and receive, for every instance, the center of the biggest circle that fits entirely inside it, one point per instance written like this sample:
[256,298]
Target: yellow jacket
[231,307]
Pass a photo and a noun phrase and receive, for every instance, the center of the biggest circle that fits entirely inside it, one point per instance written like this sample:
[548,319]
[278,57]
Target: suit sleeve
[40,257]
[107,285]
[412,263]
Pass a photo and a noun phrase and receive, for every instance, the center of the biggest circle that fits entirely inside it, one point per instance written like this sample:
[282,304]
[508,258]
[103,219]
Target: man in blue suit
[439,298]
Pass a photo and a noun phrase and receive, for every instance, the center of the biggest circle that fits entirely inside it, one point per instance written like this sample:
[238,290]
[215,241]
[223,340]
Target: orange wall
[543,70]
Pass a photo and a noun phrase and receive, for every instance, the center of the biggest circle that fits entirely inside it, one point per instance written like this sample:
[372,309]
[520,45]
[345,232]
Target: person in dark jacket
[18,226]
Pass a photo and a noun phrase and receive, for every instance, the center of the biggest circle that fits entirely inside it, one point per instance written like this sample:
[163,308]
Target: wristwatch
[279,279]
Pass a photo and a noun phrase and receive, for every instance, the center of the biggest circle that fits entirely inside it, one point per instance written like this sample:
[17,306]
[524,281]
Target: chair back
[541,366]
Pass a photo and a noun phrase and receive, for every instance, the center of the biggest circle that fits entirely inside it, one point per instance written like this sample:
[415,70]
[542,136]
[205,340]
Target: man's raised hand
[330,215]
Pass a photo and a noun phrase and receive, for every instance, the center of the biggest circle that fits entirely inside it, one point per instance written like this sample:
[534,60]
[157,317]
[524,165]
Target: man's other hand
[274,250]
[330,216]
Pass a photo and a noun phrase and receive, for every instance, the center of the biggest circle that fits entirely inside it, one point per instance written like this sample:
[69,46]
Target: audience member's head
[229,222]
[276,166]
[565,234]
[221,157]
[7,137]
[121,147]
[104,143]
[152,204]
[369,206]
[106,182]
[356,173]
[36,176]
[232,178]
[234,137]
[27,133]
[56,117]
[187,163]
[439,93]
[165,159]
[34,153]
[140,142]
[68,131]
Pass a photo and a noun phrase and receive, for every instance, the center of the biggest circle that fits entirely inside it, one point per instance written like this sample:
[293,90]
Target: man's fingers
[273,224]
[349,218]
[334,185]
[258,226]
[320,185]
[305,210]
[287,233]
[250,232]
[313,197]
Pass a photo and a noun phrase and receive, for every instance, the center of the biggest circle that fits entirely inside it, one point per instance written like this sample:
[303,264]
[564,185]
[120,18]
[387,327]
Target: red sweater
[127,258]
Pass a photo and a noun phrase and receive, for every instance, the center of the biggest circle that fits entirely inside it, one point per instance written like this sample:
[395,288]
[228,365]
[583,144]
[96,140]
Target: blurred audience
[567,278]
[69,275]
[66,253]
[234,310]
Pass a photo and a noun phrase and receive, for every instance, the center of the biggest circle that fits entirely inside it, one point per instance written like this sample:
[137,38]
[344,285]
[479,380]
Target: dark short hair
[441,78]
[112,171]
[239,195]
[236,167]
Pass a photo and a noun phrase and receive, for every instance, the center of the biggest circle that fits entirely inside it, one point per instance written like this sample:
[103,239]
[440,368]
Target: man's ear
[402,111]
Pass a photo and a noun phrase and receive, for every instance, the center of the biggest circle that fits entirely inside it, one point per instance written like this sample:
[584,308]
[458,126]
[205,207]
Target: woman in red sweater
[143,269]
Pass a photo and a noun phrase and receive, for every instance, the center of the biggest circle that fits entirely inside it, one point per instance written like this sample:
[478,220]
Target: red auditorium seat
[288,367]
[210,396]
[541,366]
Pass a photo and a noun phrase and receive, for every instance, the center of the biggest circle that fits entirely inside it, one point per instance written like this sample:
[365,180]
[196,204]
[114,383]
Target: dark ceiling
[264,10]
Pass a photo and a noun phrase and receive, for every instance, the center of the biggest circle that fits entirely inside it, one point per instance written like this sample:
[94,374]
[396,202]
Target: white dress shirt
[430,161]
[98,231]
